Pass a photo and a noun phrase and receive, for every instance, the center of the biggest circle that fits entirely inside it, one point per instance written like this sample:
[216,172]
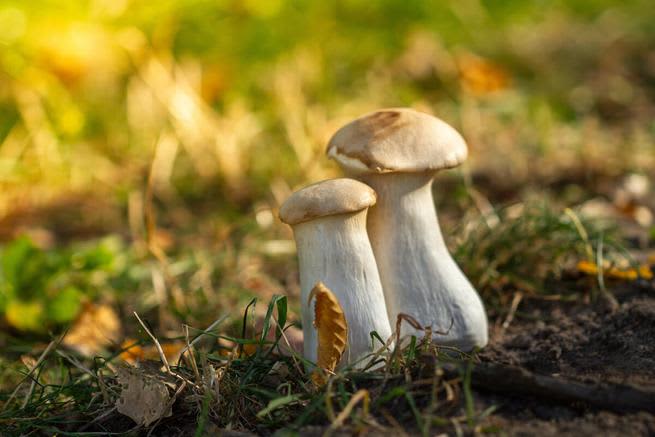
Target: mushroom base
[419,276]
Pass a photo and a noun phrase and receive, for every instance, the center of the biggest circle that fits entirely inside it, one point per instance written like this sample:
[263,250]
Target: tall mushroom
[398,152]
[329,225]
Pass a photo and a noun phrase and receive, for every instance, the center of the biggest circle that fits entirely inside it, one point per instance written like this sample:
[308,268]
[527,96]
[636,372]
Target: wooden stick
[512,380]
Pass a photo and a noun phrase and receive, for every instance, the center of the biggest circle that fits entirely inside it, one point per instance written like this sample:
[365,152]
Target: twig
[514,380]
[162,356]
[192,357]
[516,300]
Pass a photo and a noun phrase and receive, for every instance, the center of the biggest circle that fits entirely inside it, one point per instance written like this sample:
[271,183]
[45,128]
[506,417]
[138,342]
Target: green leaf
[98,257]
[65,306]
[12,258]
[25,270]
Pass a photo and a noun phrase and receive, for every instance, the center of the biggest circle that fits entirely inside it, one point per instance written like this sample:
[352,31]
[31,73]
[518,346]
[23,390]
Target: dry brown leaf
[133,353]
[630,274]
[144,398]
[28,361]
[330,322]
[480,76]
[96,327]
[249,349]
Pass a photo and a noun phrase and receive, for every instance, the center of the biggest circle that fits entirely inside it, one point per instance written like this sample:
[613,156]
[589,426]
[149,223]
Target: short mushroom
[398,152]
[329,224]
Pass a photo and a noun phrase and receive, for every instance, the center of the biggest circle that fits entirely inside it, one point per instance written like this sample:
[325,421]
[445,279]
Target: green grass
[529,247]
[261,392]
[266,391]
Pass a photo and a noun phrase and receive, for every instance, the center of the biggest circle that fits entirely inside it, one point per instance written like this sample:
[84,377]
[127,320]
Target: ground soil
[579,341]
[587,343]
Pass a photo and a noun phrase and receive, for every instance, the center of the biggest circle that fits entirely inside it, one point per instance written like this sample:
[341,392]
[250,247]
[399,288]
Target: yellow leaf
[250,348]
[589,268]
[480,76]
[96,327]
[330,322]
[133,353]
[26,316]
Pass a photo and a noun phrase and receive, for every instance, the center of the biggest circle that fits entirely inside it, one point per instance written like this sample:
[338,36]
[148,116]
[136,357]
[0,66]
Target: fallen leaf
[630,274]
[28,361]
[330,322]
[144,398]
[134,353]
[249,349]
[480,76]
[96,327]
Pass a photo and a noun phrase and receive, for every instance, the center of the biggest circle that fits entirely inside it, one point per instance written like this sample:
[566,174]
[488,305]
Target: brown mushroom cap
[331,197]
[397,140]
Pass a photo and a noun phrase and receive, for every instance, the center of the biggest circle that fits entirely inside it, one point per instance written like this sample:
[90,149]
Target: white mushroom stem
[419,275]
[336,250]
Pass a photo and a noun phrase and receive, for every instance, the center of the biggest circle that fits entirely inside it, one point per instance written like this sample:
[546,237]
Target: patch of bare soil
[589,344]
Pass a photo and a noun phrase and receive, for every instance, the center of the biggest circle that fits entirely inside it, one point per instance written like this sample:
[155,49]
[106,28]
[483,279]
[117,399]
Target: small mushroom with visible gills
[329,225]
[398,152]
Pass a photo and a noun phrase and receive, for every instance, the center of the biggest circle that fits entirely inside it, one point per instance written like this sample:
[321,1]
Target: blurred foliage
[40,289]
[234,94]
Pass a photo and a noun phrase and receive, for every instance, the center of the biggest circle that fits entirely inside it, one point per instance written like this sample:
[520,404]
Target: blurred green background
[146,146]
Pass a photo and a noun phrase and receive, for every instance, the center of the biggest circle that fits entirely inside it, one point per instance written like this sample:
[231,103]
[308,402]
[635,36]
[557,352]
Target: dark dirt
[585,343]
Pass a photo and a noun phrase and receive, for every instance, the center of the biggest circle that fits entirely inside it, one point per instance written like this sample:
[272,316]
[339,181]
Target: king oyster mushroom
[329,225]
[398,152]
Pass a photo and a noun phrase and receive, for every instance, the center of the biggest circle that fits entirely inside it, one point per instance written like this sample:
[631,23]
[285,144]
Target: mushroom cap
[331,197]
[397,140]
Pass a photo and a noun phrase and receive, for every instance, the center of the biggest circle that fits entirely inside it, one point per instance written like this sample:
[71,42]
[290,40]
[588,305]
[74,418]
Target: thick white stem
[336,251]
[419,276]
